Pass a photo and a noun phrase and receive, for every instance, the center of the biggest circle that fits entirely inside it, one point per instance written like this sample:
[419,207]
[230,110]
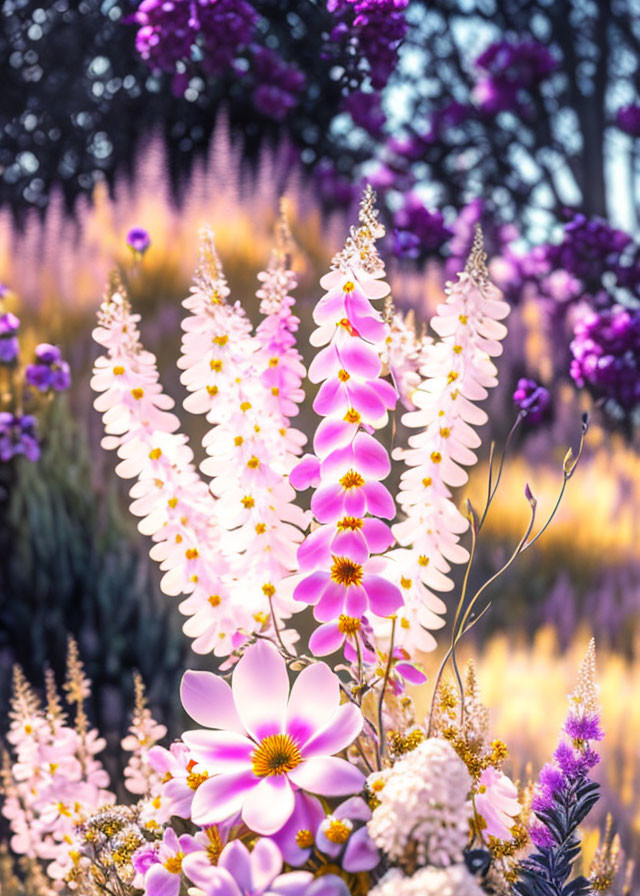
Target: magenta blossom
[343,835]
[268,744]
[161,866]
[239,872]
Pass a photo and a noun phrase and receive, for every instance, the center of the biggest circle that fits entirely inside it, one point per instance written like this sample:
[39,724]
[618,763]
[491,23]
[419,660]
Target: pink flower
[496,801]
[348,588]
[161,868]
[243,873]
[268,744]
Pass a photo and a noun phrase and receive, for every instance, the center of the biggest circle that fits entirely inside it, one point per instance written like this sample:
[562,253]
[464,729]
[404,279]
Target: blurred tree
[528,104]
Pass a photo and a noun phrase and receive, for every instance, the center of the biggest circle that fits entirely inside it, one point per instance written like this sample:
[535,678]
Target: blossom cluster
[299,776]
[509,69]
[25,387]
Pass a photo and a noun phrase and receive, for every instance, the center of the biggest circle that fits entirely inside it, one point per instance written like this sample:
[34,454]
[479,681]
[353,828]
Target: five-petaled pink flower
[268,744]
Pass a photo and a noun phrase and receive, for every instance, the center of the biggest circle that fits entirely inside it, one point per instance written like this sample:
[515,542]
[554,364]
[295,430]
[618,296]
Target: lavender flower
[279,84]
[427,227]
[138,240]
[49,372]
[9,347]
[531,399]
[565,795]
[18,436]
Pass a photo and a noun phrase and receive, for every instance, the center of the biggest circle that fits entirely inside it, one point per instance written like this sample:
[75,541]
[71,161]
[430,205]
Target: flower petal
[160,882]
[327,776]
[209,701]
[338,734]
[260,687]
[236,859]
[221,797]
[326,639]
[219,751]
[214,881]
[266,864]
[269,806]
[315,696]
[384,597]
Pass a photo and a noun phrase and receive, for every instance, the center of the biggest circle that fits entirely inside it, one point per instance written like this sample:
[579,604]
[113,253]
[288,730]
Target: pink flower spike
[258,771]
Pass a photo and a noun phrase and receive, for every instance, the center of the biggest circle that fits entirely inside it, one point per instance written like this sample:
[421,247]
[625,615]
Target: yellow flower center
[406,583]
[191,553]
[194,780]
[337,831]
[137,393]
[422,560]
[445,432]
[216,365]
[352,416]
[350,522]
[348,625]
[260,528]
[174,863]
[463,318]
[345,572]
[238,441]
[276,754]
[214,600]
[304,838]
[457,349]
[214,846]
[451,376]
[118,370]
[273,362]
[436,457]
[349,286]
[352,479]
[247,502]
[221,340]
[253,463]
[268,590]
[155,453]
[245,406]
[212,390]
[343,376]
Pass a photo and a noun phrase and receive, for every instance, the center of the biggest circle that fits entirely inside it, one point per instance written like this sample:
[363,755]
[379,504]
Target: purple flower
[628,119]
[606,355]
[343,836]
[138,240]
[18,436]
[366,111]
[373,29]
[427,227]
[584,728]
[510,68]
[243,873]
[169,31]
[531,399]
[51,372]
[279,84]
[9,346]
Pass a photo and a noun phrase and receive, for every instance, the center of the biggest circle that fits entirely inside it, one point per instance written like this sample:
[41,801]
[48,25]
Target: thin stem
[491,493]
[385,682]
[276,628]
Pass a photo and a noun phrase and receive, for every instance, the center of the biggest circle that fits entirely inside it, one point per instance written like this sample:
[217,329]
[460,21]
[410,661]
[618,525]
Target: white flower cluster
[424,808]
[452,881]
[404,354]
[457,371]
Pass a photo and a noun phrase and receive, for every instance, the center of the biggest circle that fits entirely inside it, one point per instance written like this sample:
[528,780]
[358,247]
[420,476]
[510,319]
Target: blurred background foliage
[95,139]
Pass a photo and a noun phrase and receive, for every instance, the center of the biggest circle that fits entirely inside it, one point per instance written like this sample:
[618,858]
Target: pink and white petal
[212,880]
[221,797]
[331,434]
[326,639]
[314,551]
[236,859]
[269,806]
[351,544]
[330,398]
[356,604]
[384,597]
[160,882]
[327,776]
[338,734]
[305,474]
[365,400]
[379,500]
[314,698]
[359,359]
[378,535]
[292,884]
[326,503]
[266,864]
[331,604]
[311,588]
[260,686]
[325,364]
[219,751]
[209,701]
[371,457]
[355,501]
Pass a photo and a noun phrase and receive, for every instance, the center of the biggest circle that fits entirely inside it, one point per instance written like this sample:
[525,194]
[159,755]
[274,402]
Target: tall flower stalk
[340,573]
